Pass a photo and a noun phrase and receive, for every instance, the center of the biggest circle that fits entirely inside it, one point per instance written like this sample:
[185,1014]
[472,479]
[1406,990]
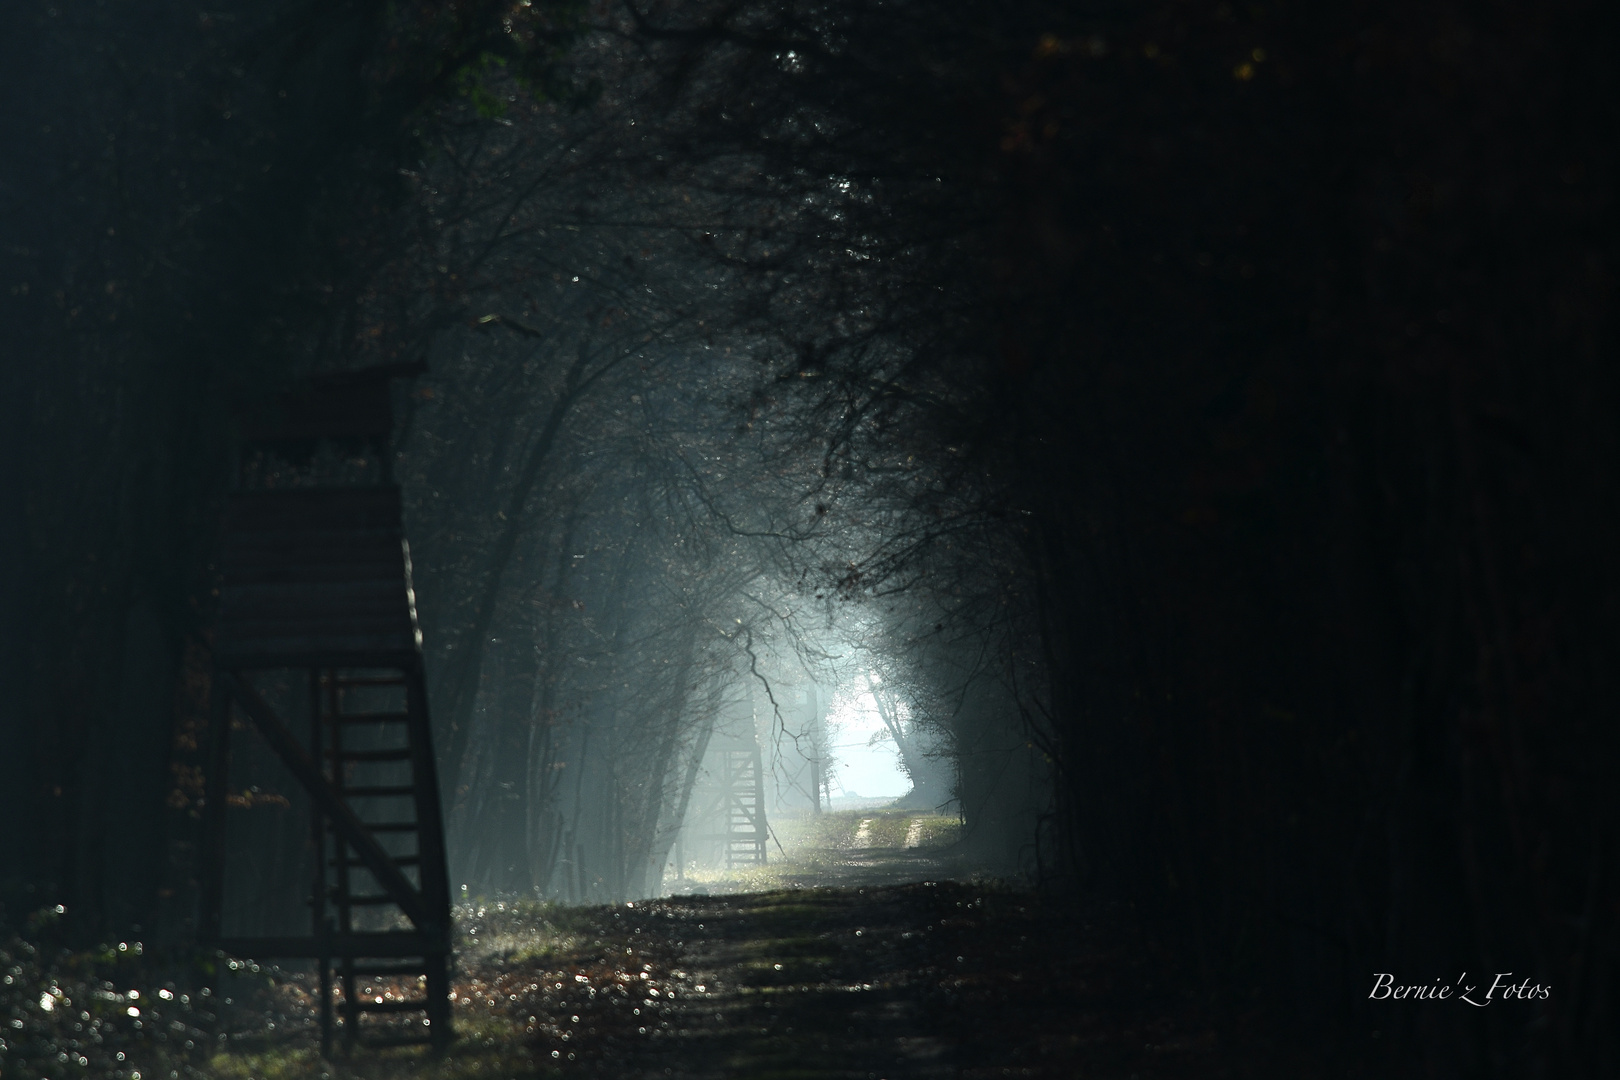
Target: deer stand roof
[316,592]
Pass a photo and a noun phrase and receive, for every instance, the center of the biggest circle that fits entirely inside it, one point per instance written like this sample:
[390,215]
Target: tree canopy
[1194,423]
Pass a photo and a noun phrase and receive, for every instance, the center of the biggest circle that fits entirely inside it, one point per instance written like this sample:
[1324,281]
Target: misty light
[865,760]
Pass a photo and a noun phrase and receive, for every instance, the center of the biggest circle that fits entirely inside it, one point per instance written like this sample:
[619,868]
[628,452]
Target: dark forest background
[1209,408]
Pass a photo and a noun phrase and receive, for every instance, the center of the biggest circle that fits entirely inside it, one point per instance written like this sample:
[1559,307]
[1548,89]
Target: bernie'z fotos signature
[1503,988]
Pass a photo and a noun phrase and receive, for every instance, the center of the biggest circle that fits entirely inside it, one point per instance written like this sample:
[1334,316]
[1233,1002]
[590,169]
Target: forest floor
[858,957]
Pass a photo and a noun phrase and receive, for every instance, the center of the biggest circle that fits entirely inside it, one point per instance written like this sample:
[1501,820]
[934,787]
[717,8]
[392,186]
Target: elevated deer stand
[317,581]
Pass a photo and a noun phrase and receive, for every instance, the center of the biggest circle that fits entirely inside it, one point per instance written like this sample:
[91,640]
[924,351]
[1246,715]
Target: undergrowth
[114,1010]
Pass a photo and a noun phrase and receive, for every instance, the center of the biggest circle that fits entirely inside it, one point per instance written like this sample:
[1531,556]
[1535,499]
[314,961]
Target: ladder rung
[367,680]
[397,754]
[393,826]
[376,789]
[369,718]
[390,969]
[385,1006]
[371,900]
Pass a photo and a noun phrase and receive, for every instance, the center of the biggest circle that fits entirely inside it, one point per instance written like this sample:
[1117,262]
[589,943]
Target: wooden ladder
[379,760]
[387,827]
[743,778]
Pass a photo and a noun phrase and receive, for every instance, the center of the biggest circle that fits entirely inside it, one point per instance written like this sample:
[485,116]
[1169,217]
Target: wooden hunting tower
[316,593]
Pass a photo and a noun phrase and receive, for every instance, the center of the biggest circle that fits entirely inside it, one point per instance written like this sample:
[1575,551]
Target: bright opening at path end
[863,767]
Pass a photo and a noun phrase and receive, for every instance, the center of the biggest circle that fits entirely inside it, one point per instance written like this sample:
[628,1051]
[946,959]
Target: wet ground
[932,979]
[857,957]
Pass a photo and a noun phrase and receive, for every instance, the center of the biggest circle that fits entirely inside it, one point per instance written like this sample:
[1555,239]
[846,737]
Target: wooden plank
[271,587]
[349,635]
[285,621]
[283,613]
[212,899]
[286,523]
[298,509]
[318,654]
[391,1005]
[343,819]
[320,573]
[357,412]
[355,619]
[249,566]
[296,636]
[397,968]
[248,583]
[348,638]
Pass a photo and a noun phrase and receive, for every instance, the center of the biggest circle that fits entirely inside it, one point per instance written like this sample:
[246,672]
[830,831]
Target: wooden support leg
[210,915]
[213,838]
[438,1001]
[351,1015]
[324,974]
[321,921]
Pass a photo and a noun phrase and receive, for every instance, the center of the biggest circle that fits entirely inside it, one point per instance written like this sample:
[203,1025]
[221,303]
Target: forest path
[929,979]
[853,957]
[879,978]
[872,846]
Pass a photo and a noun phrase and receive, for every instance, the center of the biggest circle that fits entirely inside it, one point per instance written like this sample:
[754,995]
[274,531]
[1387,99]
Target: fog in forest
[938,499]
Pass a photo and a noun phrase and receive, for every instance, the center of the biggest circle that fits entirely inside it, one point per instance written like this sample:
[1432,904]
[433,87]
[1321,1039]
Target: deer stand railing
[317,590]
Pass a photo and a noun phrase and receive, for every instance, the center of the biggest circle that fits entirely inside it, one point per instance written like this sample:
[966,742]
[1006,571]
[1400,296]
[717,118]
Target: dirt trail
[823,983]
[922,980]
[865,847]
[893,973]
